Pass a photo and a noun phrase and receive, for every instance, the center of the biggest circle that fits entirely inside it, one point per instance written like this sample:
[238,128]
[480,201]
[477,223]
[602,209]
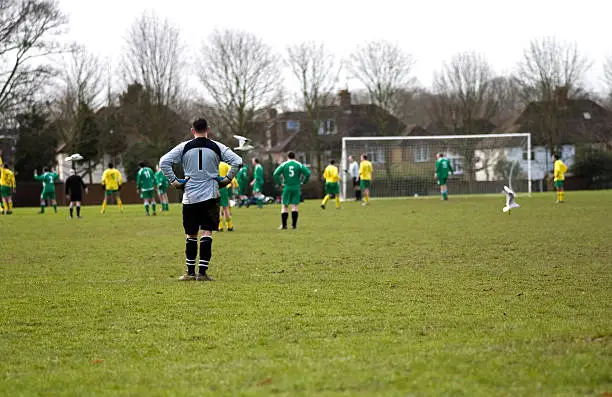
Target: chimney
[345,98]
[561,95]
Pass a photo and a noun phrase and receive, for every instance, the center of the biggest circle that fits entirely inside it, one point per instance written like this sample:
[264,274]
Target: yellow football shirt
[365,170]
[7,178]
[111,178]
[223,169]
[560,170]
[331,174]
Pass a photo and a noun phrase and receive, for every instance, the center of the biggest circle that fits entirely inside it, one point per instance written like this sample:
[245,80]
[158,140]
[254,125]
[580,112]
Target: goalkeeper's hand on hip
[223,181]
[180,183]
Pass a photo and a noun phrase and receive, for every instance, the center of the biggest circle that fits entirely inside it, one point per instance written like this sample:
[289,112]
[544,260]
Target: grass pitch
[411,297]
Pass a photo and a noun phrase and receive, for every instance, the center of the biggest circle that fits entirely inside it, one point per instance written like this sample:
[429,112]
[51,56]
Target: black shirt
[74,184]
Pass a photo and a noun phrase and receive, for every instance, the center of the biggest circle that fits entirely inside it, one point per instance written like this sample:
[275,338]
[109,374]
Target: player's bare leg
[294,216]
[284,217]
[205,255]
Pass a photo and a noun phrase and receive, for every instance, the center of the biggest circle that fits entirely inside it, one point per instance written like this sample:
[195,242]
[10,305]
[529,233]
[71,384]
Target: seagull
[74,157]
[510,203]
[243,144]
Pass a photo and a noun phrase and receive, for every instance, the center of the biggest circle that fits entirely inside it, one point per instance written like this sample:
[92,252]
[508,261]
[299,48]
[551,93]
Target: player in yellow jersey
[7,188]
[365,178]
[332,187]
[224,198]
[559,176]
[111,181]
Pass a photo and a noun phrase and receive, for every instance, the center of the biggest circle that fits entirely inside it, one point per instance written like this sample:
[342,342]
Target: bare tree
[551,72]
[29,30]
[548,64]
[466,100]
[153,71]
[316,71]
[153,57]
[465,88]
[385,70]
[79,91]
[241,75]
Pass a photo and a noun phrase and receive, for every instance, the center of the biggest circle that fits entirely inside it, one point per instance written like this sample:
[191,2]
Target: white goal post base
[404,166]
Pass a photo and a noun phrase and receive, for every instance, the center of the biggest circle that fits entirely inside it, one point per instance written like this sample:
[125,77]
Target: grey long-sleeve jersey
[200,158]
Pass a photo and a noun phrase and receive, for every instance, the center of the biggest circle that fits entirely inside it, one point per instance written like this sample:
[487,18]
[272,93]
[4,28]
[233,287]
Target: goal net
[405,166]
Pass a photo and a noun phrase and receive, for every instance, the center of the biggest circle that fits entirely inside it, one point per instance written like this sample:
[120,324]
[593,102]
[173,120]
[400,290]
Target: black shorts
[201,216]
[77,196]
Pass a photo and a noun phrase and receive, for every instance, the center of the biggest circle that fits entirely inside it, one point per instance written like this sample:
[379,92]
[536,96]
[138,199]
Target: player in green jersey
[443,167]
[258,182]
[243,184]
[293,174]
[48,179]
[162,188]
[145,186]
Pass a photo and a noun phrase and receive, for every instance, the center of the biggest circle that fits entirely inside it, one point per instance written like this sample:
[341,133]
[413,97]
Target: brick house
[291,131]
[568,123]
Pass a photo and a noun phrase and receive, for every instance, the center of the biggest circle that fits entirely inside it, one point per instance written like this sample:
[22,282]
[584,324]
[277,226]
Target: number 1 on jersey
[200,159]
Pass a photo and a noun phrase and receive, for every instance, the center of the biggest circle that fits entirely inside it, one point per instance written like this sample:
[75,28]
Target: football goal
[404,166]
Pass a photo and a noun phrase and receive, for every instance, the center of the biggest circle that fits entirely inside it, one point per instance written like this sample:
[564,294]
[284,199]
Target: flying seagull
[74,157]
[243,144]
[510,203]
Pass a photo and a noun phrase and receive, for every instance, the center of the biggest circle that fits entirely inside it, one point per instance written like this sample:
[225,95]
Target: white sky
[432,30]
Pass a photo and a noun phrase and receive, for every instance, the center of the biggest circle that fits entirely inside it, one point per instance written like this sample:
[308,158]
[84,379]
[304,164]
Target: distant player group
[214,174]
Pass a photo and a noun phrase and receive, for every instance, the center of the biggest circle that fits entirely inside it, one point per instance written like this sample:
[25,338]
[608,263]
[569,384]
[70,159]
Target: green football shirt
[145,179]
[48,181]
[258,174]
[161,180]
[443,167]
[293,174]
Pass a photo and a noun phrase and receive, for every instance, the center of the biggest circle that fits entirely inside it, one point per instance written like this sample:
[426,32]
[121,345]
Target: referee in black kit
[74,192]
[200,158]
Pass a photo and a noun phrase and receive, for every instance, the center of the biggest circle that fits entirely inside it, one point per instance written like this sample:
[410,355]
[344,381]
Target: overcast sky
[432,30]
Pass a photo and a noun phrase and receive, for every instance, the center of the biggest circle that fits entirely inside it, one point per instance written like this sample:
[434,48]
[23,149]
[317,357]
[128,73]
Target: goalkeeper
[200,158]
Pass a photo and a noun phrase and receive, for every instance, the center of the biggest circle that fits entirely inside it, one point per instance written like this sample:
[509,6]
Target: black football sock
[284,217]
[205,253]
[191,251]
[78,210]
[294,218]
[71,211]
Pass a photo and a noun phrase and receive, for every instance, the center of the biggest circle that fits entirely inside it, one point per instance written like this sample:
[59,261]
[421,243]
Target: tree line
[56,92]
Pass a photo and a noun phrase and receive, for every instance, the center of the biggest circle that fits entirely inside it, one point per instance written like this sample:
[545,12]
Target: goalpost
[404,166]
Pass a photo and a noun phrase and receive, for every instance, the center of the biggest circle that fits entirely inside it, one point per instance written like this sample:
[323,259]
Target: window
[456,161]
[327,127]
[303,158]
[293,125]
[376,156]
[421,154]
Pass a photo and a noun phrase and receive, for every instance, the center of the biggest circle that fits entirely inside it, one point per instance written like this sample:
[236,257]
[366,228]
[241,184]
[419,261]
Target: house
[566,123]
[292,131]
